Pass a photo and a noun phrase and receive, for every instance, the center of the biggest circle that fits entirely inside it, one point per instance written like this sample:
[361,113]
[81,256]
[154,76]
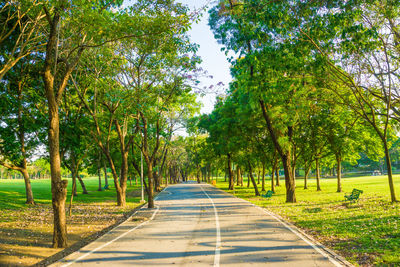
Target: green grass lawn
[26,230]
[12,192]
[366,232]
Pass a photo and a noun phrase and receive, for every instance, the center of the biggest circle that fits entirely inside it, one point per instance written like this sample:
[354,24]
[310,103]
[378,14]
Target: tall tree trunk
[241,178]
[73,175]
[248,180]
[389,170]
[285,155]
[339,173]
[105,174]
[150,197]
[294,175]
[263,177]
[258,176]
[99,175]
[28,187]
[231,182]
[209,173]
[73,193]
[58,186]
[121,194]
[54,96]
[277,177]
[119,190]
[272,181]
[289,180]
[85,192]
[198,174]
[306,173]
[21,136]
[273,174]
[317,174]
[238,176]
[252,179]
[170,174]
[100,188]
[157,183]
[167,173]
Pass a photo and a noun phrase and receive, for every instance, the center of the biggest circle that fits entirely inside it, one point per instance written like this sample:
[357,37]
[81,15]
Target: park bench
[268,194]
[354,196]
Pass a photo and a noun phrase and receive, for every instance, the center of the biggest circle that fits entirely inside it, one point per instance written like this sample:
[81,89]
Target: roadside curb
[327,252]
[59,256]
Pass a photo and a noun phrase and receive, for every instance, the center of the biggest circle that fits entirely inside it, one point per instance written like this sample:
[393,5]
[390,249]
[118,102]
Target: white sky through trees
[213,59]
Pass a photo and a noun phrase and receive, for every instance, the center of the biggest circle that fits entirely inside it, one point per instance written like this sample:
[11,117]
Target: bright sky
[214,60]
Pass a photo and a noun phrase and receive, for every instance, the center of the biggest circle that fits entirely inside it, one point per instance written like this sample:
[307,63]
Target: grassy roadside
[365,233]
[26,231]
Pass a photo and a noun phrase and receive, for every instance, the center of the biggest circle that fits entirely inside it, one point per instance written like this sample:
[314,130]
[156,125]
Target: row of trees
[313,81]
[97,84]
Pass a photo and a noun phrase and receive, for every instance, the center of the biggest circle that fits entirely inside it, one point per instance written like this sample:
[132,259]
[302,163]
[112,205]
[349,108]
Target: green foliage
[22,116]
[12,193]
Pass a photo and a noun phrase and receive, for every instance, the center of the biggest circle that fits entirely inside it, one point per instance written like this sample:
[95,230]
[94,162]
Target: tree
[79,26]
[21,119]
[22,22]
[358,50]
[272,66]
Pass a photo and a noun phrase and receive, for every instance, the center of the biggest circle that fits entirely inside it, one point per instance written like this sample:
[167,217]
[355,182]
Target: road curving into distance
[199,225]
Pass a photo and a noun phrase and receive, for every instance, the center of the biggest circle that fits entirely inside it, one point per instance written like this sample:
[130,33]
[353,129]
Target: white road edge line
[334,262]
[218,237]
[115,239]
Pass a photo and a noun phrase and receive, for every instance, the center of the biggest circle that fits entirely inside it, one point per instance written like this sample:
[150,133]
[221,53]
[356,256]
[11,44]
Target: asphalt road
[199,225]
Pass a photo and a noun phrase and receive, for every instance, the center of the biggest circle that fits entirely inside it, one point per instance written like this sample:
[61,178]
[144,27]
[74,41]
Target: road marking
[331,259]
[218,241]
[115,239]
[336,263]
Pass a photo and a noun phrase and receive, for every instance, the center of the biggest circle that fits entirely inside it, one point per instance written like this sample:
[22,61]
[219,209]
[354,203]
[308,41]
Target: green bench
[268,194]
[354,196]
